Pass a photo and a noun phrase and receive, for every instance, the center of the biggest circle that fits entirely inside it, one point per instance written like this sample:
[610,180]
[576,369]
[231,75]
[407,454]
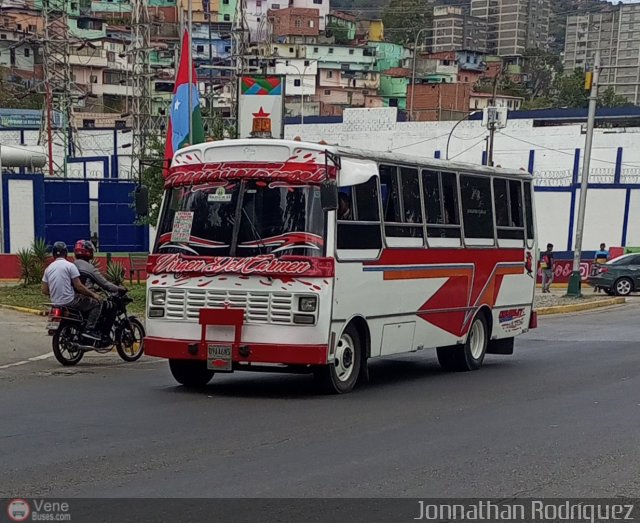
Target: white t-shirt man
[58,276]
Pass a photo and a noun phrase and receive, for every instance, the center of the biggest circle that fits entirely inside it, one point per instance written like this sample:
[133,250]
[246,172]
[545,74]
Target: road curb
[579,307]
[23,309]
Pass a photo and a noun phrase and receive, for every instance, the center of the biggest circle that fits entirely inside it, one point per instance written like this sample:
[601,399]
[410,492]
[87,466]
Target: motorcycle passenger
[61,282]
[93,279]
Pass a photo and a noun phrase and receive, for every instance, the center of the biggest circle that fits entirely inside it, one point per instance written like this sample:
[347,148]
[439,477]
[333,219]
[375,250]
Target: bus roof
[196,154]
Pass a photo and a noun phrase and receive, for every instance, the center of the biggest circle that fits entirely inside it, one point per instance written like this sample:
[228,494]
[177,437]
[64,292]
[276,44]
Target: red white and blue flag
[178,131]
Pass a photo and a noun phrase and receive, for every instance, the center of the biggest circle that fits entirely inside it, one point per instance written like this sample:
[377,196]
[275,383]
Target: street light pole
[301,75]
[413,71]
[466,117]
[574,280]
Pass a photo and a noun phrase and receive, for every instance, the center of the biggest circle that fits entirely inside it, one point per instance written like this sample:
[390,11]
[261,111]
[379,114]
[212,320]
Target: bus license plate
[219,358]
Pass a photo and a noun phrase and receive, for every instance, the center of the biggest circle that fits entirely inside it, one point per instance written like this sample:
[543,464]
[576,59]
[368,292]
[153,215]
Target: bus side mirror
[329,195]
[141,198]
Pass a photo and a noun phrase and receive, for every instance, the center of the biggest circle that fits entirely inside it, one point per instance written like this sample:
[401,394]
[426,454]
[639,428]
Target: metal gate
[118,231]
[66,205]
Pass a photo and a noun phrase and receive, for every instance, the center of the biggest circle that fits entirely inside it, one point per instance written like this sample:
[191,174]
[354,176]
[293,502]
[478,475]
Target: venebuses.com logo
[19,509]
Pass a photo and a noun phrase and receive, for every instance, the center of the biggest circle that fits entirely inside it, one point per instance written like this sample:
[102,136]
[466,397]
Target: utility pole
[574,280]
[492,121]
[140,105]
[210,91]
[59,86]
[413,71]
[240,37]
[190,40]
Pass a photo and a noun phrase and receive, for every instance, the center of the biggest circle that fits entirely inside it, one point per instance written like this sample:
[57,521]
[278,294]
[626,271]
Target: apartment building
[616,33]
[514,25]
[295,22]
[454,30]
[436,67]
[257,14]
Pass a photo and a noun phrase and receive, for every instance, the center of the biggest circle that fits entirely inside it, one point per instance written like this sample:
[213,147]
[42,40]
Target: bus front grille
[259,307]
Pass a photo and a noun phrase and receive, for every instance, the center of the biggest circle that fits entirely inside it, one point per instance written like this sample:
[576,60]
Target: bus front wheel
[461,358]
[341,375]
[190,373]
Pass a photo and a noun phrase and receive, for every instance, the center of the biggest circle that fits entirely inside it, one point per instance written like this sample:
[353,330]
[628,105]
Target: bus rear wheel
[461,358]
[341,375]
[190,373]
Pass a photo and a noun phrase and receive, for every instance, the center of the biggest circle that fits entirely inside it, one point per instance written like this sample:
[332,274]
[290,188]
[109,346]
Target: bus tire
[190,373]
[341,375]
[470,355]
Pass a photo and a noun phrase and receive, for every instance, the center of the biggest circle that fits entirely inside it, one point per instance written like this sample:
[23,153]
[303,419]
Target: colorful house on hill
[341,27]
[393,61]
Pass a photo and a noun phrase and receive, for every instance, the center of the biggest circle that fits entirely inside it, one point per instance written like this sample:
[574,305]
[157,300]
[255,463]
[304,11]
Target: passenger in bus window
[344,207]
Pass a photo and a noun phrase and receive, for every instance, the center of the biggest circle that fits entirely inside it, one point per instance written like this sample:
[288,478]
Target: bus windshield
[241,219]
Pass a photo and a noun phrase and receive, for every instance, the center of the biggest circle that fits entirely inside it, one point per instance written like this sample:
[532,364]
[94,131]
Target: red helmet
[83,250]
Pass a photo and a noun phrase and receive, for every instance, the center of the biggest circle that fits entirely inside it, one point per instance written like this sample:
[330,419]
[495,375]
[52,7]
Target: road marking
[42,357]
[24,362]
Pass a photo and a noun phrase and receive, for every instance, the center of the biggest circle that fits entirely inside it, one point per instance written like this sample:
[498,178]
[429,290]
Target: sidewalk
[557,301]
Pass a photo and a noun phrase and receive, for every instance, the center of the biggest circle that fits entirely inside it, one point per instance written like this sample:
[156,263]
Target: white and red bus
[283,255]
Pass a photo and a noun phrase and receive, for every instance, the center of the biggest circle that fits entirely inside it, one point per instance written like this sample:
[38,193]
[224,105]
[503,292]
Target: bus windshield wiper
[255,232]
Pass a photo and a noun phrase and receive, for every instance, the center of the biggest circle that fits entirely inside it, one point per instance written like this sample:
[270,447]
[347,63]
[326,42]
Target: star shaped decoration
[176,105]
[261,114]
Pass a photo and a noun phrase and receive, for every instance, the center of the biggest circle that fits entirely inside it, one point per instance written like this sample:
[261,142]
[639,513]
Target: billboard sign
[261,106]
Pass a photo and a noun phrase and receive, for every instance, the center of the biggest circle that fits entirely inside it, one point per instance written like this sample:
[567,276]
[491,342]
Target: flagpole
[189,28]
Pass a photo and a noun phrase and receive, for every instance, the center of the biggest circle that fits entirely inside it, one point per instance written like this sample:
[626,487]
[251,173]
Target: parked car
[620,276]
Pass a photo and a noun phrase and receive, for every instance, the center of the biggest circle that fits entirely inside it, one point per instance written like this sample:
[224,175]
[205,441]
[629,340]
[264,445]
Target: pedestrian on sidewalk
[601,257]
[546,264]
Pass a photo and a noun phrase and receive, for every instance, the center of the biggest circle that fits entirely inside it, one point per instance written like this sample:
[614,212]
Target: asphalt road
[559,418]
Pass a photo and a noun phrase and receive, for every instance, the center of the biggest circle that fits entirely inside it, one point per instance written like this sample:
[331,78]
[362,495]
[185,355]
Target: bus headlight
[156,312]
[158,297]
[308,303]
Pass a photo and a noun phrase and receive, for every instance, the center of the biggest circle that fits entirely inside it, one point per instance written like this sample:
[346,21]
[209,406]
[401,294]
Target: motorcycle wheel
[63,345]
[130,340]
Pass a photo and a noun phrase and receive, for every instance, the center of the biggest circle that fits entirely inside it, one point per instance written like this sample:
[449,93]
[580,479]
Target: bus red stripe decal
[474,278]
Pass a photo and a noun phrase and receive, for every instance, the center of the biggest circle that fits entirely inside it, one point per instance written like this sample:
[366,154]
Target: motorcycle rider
[61,281]
[93,279]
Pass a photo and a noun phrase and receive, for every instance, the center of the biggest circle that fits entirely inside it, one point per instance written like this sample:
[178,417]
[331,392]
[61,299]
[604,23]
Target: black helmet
[59,250]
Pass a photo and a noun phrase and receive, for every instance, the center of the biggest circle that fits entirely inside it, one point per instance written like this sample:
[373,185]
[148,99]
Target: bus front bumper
[247,352]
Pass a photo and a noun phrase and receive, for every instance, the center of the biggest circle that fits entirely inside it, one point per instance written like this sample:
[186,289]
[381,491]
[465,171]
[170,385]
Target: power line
[567,153]
[467,149]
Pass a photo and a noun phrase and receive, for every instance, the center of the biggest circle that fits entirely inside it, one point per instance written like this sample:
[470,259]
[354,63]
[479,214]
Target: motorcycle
[66,325]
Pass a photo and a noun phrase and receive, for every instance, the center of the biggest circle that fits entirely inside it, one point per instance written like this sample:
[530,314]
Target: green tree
[403,19]
[215,129]
[569,90]
[152,178]
[541,102]
[609,98]
[541,68]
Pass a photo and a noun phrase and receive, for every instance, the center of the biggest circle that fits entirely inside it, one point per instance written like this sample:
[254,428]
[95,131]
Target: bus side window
[528,207]
[477,209]
[440,191]
[390,193]
[515,202]
[402,206]
[366,197]
[346,209]
[361,232]
[508,208]
[411,196]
